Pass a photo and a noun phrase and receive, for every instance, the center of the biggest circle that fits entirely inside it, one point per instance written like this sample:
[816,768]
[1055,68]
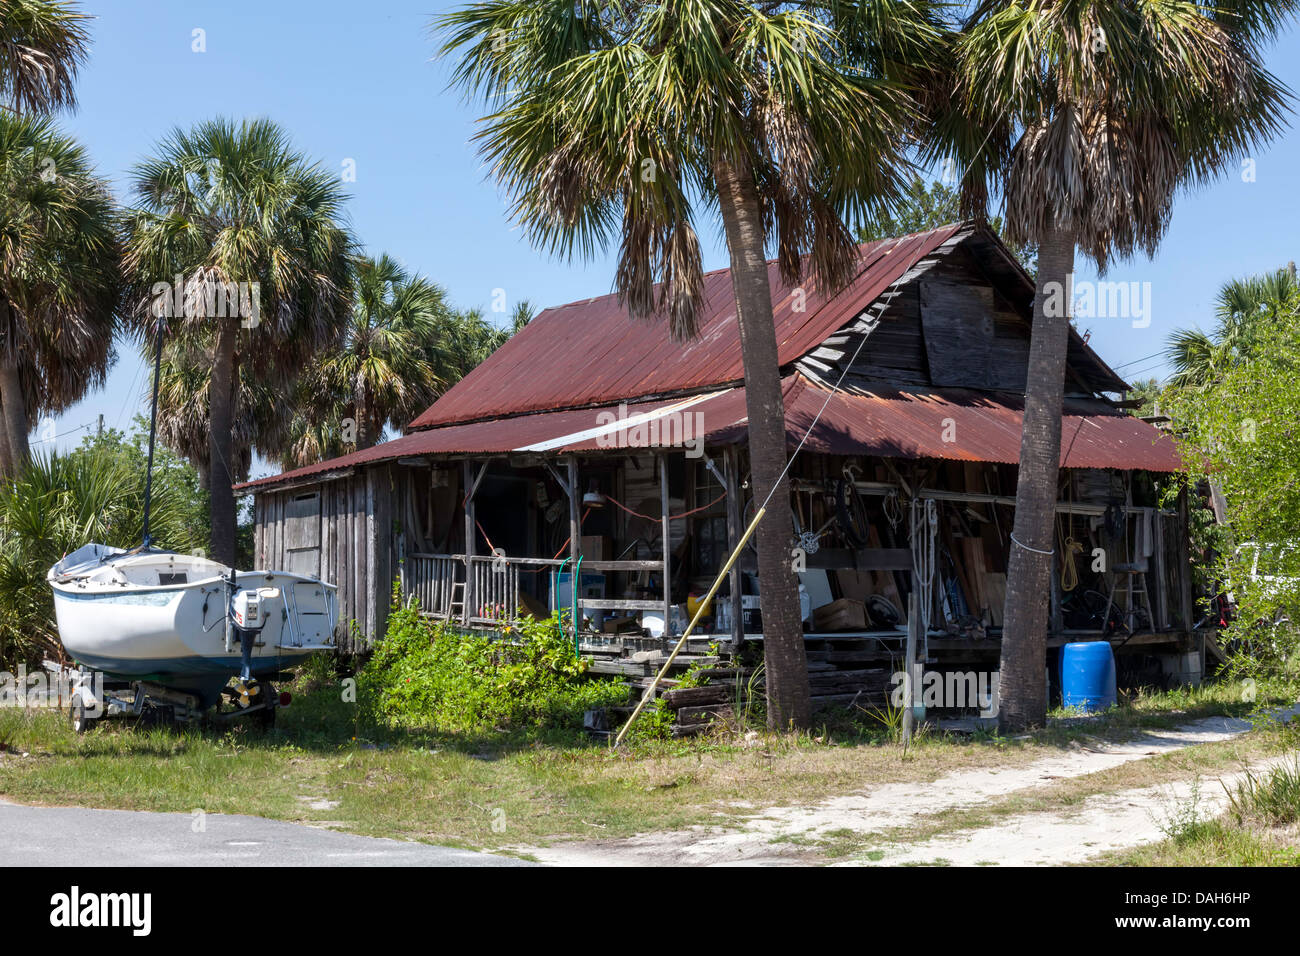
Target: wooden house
[590,441]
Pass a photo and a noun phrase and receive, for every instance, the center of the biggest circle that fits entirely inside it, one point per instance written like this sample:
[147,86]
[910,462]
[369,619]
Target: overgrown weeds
[1271,799]
[427,674]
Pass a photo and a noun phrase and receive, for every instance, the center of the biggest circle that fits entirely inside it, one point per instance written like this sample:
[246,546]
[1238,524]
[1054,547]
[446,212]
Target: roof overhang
[951,423]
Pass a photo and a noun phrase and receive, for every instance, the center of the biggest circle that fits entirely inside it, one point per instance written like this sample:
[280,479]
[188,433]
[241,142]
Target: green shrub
[429,675]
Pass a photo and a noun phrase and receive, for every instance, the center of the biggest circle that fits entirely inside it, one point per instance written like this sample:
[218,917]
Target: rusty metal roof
[949,423]
[966,425]
[496,436]
[592,353]
[546,389]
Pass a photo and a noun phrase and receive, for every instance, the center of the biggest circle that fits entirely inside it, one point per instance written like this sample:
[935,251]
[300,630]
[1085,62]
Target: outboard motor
[245,618]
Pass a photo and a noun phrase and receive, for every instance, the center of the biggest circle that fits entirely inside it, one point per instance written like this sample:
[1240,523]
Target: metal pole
[153,432]
[666,532]
[909,679]
[732,466]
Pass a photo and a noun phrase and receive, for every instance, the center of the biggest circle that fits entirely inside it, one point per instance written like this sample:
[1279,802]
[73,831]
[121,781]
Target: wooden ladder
[1131,590]
[456,606]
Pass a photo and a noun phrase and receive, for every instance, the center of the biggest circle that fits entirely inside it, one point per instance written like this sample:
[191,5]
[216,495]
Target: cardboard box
[617,625]
[845,614]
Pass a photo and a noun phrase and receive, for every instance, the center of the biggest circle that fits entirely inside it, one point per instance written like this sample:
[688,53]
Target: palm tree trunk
[14,404]
[1022,685]
[365,434]
[6,460]
[221,442]
[783,645]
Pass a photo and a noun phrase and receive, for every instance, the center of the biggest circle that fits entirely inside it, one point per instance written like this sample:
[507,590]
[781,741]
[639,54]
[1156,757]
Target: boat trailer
[92,697]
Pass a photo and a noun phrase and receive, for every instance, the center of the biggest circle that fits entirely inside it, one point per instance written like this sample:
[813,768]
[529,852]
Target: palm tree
[1243,307]
[1089,117]
[239,236]
[382,362]
[474,338]
[42,45]
[59,277]
[621,118]
[185,376]
[403,348]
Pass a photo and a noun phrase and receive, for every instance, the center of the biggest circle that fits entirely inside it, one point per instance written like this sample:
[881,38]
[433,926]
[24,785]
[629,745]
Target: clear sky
[356,82]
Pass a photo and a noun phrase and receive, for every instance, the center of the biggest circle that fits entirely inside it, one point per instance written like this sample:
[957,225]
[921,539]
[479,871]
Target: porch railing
[481,590]
[431,579]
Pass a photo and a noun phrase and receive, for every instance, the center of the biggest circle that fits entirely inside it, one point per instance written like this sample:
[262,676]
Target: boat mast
[153,429]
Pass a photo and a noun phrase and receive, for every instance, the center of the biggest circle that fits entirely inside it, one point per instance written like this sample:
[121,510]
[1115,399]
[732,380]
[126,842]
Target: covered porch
[899,497]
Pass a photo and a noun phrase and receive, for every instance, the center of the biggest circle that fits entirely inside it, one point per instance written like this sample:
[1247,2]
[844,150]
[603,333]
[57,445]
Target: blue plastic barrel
[1088,675]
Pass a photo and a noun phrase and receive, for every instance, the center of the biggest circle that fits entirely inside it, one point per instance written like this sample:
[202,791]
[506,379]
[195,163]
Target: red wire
[684,514]
[617,503]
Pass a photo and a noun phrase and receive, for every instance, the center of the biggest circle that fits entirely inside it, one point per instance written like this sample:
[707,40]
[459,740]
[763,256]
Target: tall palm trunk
[6,460]
[364,411]
[1022,686]
[221,442]
[14,404]
[783,646]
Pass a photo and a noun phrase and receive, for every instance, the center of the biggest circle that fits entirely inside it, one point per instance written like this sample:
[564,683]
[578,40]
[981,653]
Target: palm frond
[43,44]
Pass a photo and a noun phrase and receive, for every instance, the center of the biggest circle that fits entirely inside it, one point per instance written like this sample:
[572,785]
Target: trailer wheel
[81,722]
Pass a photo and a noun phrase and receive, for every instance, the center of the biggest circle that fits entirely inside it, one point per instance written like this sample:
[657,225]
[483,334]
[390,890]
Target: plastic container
[1088,676]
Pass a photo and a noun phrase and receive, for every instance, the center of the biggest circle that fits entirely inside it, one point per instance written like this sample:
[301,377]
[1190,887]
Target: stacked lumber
[697,709]
[869,687]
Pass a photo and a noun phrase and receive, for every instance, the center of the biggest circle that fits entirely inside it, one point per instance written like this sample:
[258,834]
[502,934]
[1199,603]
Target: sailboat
[178,627]
[157,616]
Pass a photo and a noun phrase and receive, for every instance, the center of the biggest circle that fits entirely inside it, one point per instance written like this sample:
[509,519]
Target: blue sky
[355,81]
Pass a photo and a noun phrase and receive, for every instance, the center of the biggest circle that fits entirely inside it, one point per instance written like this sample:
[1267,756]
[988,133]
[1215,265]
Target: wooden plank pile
[866,687]
[703,708]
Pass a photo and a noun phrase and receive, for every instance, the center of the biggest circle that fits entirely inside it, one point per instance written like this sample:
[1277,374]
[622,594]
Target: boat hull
[175,635]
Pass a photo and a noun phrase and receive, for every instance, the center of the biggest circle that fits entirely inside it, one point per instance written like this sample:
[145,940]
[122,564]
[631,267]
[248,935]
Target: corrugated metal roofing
[967,425]
[951,423]
[496,436]
[591,352]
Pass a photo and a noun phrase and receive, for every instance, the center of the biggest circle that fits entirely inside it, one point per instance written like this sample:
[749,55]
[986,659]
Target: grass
[1260,828]
[322,765]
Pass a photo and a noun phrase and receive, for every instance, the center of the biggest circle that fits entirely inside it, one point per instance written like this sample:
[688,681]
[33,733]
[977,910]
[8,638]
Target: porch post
[1056,622]
[1185,608]
[667,539]
[731,464]
[1056,616]
[470,487]
[575,544]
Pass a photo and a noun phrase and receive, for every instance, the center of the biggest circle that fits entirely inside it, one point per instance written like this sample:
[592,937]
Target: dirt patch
[789,834]
[1102,824]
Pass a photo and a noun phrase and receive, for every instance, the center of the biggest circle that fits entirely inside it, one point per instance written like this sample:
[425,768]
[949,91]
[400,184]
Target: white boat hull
[162,617]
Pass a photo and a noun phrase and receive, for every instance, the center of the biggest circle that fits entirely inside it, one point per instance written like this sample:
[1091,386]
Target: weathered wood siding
[341,531]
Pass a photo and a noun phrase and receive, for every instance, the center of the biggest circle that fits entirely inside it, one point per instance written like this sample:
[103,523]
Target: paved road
[62,836]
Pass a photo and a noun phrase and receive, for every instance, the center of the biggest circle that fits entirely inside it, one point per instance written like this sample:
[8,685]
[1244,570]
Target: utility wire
[70,431]
[1116,368]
